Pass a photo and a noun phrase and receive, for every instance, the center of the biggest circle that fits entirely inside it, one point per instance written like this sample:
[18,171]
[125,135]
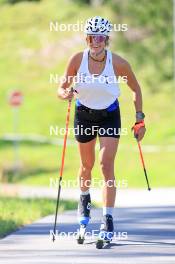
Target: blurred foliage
[82,2]
[16,1]
[31,52]
[149,39]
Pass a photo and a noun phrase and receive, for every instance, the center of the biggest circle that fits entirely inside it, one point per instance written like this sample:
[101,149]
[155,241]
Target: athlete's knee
[86,167]
[107,166]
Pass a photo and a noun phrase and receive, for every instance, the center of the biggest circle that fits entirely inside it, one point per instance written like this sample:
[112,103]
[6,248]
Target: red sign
[16,98]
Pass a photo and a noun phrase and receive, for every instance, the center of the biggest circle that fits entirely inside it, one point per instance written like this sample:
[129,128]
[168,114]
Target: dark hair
[107,41]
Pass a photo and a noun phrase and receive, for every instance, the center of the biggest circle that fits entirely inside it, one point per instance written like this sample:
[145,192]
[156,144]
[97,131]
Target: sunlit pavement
[142,235]
[125,197]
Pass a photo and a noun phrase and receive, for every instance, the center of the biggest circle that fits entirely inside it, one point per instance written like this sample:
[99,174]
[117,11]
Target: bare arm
[123,68]
[71,71]
[135,87]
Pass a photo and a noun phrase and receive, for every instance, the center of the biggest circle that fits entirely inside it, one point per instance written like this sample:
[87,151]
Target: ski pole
[143,163]
[62,166]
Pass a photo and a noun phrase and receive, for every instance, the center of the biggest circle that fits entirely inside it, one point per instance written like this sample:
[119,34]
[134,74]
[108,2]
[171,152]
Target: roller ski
[106,232]
[83,216]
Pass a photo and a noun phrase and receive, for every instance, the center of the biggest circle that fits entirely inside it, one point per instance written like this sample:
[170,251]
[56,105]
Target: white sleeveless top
[96,91]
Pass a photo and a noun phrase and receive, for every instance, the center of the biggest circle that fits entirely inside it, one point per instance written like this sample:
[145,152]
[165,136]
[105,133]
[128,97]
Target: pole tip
[149,189]
[53,238]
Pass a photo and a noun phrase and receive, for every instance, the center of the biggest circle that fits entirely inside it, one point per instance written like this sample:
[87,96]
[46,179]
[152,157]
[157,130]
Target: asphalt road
[143,235]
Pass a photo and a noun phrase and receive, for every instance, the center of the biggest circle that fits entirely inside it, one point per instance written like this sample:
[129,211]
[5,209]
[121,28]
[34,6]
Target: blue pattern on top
[110,108]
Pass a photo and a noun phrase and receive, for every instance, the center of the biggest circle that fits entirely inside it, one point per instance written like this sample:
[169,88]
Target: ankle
[84,192]
[108,211]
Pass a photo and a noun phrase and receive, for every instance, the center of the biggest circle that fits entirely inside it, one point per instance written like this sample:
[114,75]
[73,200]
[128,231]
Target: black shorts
[89,123]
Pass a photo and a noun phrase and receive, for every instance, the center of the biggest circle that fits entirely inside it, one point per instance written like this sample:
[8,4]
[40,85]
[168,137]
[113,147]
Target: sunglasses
[96,38]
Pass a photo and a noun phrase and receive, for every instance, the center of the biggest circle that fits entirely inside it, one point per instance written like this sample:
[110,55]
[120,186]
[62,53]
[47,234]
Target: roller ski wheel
[104,238]
[81,234]
[99,244]
[106,232]
[80,240]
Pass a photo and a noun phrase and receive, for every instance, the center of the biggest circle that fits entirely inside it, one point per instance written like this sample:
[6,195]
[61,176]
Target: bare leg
[108,150]
[87,160]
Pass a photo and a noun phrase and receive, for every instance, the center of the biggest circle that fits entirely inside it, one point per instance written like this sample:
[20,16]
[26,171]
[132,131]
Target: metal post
[16,142]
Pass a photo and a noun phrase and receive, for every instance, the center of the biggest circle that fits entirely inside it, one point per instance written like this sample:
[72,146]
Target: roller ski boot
[106,231]
[83,216]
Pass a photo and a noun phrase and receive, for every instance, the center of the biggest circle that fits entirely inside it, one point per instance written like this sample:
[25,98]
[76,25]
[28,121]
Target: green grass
[45,163]
[16,212]
[31,52]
